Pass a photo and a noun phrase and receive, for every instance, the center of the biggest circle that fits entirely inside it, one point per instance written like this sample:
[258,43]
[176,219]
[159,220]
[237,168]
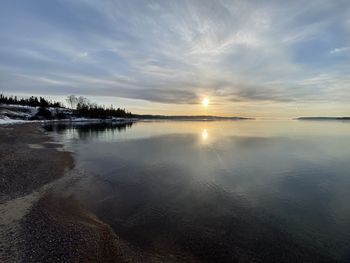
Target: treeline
[32,101]
[79,107]
[85,108]
[94,111]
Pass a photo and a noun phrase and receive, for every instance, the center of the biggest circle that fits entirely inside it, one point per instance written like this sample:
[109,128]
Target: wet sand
[29,160]
[38,222]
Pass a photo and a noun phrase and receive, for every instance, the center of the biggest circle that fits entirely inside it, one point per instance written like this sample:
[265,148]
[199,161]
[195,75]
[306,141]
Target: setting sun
[205,102]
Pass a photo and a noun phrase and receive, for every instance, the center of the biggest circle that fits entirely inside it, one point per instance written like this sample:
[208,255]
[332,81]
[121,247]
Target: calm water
[271,191]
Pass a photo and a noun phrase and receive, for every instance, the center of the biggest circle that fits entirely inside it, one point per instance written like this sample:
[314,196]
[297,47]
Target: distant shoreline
[323,118]
[14,113]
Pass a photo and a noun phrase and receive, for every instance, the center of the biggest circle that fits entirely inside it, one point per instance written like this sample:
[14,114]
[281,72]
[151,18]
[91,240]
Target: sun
[205,102]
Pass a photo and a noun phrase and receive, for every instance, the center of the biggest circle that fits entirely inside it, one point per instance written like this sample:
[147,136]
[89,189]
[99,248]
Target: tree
[31,101]
[83,101]
[72,101]
[43,102]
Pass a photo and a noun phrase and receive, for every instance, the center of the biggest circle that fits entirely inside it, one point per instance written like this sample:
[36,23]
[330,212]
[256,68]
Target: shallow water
[225,191]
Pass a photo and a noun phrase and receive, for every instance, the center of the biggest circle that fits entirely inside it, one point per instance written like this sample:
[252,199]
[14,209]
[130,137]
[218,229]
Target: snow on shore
[6,120]
[10,114]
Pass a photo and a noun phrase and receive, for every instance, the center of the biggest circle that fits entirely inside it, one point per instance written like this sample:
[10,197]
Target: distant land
[80,109]
[323,118]
[187,117]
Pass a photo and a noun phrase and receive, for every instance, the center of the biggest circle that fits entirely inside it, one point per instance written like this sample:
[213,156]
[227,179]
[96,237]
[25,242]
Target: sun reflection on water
[204,134]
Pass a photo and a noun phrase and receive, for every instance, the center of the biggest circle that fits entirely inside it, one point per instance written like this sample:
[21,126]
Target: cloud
[176,51]
[83,55]
[340,50]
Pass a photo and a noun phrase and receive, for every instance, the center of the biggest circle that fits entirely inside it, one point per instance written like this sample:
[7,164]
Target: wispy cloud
[176,51]
[340,50]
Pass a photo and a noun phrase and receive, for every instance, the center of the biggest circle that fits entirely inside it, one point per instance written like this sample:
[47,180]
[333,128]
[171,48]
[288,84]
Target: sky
[249,58]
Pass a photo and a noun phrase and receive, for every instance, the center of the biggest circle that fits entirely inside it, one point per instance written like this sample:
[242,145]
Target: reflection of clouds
[244,169]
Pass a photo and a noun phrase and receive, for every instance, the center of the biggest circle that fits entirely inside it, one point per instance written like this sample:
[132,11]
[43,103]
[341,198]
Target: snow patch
[6,120]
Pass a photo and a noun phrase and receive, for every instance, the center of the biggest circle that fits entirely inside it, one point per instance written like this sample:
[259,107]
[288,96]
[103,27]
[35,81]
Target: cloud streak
[340,50]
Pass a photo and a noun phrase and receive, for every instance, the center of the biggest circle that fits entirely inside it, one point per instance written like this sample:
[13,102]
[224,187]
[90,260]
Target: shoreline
[38,223]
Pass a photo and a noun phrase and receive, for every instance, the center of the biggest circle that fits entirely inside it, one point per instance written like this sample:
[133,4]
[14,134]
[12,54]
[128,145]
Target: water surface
[226,191]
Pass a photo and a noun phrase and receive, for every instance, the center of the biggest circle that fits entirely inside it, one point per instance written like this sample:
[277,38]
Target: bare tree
[72,101]
[83,101]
